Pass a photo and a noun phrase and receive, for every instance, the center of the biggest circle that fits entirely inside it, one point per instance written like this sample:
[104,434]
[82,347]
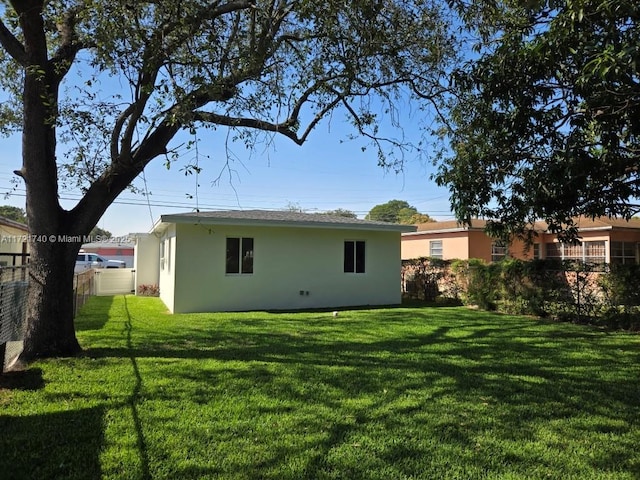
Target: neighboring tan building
[609,240]
[14,245]
[602,240]
[270,260]
[449,240]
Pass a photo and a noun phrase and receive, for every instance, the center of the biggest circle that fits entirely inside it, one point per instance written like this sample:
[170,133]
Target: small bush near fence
[564,290]
[148,290]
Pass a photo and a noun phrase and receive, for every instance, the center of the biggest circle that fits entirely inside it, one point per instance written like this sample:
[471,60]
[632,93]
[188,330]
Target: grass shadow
[134,399]
[406,303]
[319,397]
[59,445]
[30,379]
[94,314]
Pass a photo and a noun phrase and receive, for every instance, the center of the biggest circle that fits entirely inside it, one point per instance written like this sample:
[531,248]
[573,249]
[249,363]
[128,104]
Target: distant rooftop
[12,223]
[584,224]
[451,225]
[601,223]
[281,218]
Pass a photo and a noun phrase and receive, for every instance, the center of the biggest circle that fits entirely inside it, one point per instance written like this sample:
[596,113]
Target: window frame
[243,256]
[433,247]
[553,250]
[499,251]
[625,258]
[537,251]
[594,251]
[355,257]
[580,252]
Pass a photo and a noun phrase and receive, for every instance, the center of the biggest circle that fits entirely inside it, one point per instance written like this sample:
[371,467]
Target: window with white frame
[589,252]
[571,251]
[594,252]
[498,251]
[239,255]
[354,256]
[624,252]
[435,248]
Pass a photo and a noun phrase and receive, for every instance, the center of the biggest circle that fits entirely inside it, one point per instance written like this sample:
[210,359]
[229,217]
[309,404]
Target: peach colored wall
[414,247]
[480,246]
[624,236]
[518,249]
[454,245]
[476,244]
[595,236]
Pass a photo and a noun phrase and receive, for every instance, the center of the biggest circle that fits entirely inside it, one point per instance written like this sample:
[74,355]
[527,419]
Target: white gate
[114,281]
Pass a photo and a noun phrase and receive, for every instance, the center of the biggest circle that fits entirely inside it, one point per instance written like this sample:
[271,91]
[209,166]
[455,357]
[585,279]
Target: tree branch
[12,45]
[119,175]
[285,128]
[69,46]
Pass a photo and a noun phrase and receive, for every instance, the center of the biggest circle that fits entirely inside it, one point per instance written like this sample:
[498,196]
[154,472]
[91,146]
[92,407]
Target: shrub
[621,296]
[148,290]
[562,290]
[422,277]
[477,281]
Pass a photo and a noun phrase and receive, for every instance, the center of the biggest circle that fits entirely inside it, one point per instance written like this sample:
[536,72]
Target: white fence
[114,281]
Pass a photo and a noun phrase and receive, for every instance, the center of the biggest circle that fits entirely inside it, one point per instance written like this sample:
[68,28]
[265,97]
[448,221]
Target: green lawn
[401,393]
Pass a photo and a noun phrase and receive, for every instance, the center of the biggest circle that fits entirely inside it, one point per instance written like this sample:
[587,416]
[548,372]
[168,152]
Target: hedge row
[567,290]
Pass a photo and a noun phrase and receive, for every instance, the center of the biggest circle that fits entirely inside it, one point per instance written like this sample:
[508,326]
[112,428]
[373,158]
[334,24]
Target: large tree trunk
[50,327]
[50,330]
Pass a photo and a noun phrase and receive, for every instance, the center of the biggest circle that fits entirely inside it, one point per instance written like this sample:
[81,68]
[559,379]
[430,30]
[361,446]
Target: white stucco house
[271,260]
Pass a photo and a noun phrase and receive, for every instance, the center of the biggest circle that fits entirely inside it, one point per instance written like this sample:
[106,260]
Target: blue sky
[326,173]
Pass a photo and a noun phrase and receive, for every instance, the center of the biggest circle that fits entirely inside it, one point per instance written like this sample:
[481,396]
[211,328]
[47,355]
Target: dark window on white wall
[239,255]
[354,257]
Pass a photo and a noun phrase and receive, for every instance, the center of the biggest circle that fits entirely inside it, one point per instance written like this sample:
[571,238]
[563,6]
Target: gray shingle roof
[282,218]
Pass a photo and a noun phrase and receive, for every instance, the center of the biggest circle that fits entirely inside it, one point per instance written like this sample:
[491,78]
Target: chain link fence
[13,305]
[13,301]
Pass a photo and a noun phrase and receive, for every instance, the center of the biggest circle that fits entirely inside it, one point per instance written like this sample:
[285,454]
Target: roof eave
[12,223]
[446,230]
[160,226]
[167,219]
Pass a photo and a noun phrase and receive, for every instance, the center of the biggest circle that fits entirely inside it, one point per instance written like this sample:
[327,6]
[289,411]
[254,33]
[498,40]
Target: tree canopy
[397,211]
[13,213]
[254,67]
[341,212]
[99,234]
[545,122]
